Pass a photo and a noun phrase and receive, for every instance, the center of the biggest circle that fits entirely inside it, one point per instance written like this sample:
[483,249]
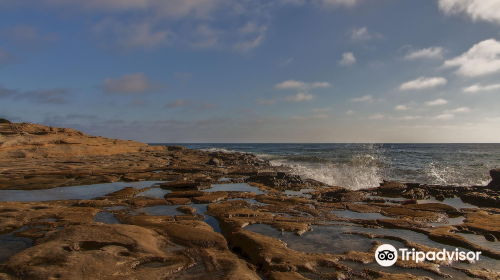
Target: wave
[223,150]
[455,175]
[361,171]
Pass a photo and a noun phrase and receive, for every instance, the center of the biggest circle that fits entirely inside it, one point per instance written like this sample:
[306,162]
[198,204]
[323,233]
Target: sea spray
[365,165]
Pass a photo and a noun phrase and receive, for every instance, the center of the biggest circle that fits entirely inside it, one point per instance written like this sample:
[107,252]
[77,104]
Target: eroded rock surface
[185,225]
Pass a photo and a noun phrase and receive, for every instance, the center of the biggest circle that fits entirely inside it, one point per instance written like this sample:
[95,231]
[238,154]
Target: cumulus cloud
[376,117]
[130,36]
[301,96]
[430,53]
[131,83]
[401,108]
[436,102]
[336,3]
[487,10]
[459,110]
[179,103]
[347,59]
[366,98]
[247,45]
[299,85]
[423,83]
[360,34]
[445,117]
[410,118]
[350,112]
[477,88]
[482,59]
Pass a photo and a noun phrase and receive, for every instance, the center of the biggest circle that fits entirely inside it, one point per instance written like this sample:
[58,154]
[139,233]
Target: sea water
[358,166]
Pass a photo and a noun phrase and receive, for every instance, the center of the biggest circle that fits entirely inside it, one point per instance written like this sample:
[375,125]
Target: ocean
[356,166]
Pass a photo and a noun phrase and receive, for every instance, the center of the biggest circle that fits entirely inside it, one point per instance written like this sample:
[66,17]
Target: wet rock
[282,181]
[277,275]
[373,274]
[211,197]
[484,273]
[95,252]
[175,148]
[186,210]
[417,193]
[178,201]
[391,187]
[214,161]
[495,179]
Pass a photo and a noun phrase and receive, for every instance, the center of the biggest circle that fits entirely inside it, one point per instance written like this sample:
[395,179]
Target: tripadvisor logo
[387,255]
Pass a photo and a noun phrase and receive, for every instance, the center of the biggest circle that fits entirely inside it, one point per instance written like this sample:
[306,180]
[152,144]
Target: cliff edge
[26,140]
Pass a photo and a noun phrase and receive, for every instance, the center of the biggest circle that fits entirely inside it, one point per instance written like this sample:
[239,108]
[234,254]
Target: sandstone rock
[178,201]
[175,148]
[392,187]
[186,210]
[24,140]
[214,161]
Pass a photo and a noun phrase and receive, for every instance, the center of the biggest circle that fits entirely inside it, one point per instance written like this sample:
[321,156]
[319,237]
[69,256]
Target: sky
[227,71]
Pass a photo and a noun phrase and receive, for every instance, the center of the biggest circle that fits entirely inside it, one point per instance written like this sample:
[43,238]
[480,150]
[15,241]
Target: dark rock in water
[417,193]
[214,161]
[495,179]
[175,148]
[490,237]
[495,174]
[392,187]
[282,181]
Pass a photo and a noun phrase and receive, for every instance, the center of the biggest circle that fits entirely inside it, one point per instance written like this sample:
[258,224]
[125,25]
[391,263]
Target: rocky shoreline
[212,203]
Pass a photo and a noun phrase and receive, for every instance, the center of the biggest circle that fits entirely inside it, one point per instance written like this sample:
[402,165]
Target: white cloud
[265,102]
[299,85]
[445,117]
[336,3]
[322,110]
[423,83]
[487,10]
[350,112]
[131,36]
[482,59]
[247,45]
[432,53]
[401,108]
[360,34]
[301,96]
[377,117]
[366,98]
[253,34]
[319,116]
[437,102]
[459,110]
[132,83]
[286,62]
[477,88]
[347,59]
[179,103]
[410,118]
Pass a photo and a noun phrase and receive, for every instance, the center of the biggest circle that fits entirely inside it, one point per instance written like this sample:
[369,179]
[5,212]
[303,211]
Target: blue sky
[255,70]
